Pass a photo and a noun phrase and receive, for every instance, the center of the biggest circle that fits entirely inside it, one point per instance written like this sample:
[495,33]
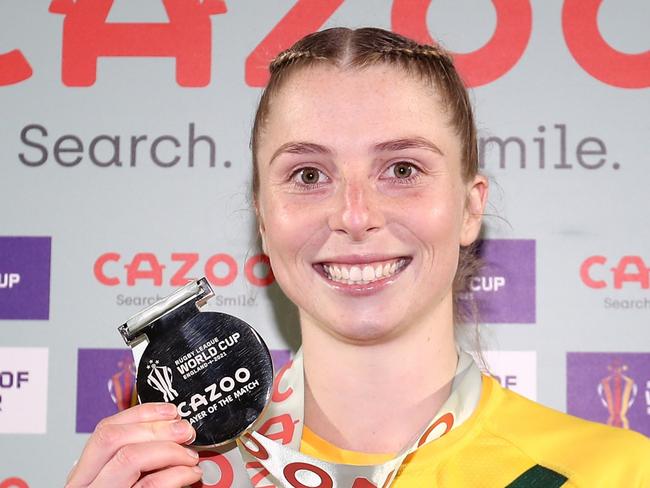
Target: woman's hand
[138,447]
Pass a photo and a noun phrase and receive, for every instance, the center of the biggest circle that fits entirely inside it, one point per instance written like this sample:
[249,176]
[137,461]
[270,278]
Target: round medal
[214,367]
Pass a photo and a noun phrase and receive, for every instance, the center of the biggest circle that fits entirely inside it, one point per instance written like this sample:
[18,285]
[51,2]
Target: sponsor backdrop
[125,171]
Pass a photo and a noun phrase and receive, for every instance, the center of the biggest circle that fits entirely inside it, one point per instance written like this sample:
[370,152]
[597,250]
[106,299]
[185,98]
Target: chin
[365,331]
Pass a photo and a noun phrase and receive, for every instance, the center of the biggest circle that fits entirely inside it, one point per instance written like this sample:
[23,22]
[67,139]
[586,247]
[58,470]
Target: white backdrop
[125,170]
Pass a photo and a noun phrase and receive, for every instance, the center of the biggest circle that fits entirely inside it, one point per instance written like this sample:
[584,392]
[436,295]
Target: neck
[377,397]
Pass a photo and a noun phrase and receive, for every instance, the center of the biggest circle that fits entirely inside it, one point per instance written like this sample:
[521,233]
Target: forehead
[356,107]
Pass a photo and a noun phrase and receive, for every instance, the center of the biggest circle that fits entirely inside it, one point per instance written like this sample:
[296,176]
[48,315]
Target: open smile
[360,274]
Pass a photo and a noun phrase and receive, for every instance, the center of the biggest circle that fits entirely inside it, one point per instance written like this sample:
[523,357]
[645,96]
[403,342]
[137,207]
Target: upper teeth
[362,274]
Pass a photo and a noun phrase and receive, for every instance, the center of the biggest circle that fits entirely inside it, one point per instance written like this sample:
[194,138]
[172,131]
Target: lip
[360,258]
[361,289]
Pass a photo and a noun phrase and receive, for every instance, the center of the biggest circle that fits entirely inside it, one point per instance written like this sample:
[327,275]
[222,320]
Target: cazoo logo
[177,269]
[187,38]
[626,271]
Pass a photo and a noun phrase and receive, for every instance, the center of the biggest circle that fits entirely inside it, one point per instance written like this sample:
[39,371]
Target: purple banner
[25,278]
[106,383]
[611,388]
[504,290]
[280,358]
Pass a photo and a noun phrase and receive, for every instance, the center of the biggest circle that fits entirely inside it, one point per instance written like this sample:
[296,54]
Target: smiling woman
[369,200]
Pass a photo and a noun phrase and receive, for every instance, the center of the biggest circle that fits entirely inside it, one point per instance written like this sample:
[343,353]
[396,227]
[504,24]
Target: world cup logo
[617,393]
[160,379]
[121,385]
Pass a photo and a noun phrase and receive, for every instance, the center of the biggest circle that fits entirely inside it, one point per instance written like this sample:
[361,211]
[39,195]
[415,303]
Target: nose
[358,211]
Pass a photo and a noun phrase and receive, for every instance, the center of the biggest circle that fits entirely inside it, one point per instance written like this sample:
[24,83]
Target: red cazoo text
[187,38]
[602,272]
[177,269]
[13,483]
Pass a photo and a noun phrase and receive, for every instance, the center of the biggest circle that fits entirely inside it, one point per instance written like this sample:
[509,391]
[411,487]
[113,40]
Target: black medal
[214,367]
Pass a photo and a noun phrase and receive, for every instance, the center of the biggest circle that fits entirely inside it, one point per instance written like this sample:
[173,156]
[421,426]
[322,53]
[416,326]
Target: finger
[171,478]
[72,470]
[146,412]
[131,461]
[108,438]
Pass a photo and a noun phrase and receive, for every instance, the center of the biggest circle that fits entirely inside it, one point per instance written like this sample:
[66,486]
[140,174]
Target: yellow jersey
[510,441]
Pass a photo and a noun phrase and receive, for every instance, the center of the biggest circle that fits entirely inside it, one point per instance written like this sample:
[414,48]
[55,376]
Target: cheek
[290,231]
[434,217]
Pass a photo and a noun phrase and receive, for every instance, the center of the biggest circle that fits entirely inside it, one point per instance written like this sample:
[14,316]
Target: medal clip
[198,291]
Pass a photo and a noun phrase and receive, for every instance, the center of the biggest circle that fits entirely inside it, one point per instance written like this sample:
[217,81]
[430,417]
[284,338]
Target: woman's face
[361,203]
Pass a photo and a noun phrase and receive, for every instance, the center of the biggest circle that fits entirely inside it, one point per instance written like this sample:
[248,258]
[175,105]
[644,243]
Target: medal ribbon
[270,456]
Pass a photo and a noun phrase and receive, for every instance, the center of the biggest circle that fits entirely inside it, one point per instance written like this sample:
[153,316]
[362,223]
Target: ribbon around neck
[270,455]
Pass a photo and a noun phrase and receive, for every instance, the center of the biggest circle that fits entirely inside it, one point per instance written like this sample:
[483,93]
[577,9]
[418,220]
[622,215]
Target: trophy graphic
[617,393]
[160,379]
[121,385]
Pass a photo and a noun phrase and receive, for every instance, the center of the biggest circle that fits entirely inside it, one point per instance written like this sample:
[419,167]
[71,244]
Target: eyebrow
[386,146]
[301,148]
[407,143]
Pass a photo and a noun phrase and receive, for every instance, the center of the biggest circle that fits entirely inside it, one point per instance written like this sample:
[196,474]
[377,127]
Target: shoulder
[575,446]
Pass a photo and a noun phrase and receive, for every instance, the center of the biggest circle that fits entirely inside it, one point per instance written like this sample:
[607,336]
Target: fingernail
[181,427]
[193,438]
[192,452]
[166,409]
[197,470]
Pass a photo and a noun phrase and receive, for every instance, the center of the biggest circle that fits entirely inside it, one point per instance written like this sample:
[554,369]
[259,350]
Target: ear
[477,192]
